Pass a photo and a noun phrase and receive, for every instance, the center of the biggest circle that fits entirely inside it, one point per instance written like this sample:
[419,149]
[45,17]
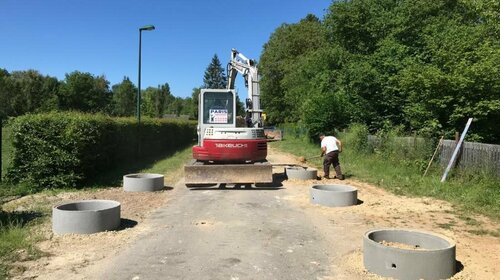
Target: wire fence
[472,155]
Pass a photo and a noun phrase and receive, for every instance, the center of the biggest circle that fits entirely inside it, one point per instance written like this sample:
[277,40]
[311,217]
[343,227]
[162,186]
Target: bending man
[331,147]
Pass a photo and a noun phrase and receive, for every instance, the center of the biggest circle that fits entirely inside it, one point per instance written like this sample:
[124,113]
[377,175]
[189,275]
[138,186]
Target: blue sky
[57,37]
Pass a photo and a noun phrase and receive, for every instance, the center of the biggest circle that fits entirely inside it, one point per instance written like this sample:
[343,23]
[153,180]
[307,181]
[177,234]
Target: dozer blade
[245,173]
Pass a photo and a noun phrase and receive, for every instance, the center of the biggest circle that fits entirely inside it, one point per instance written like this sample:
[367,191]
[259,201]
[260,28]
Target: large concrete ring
[301,173]
[86,216]
[334,195]
[429,256]
[143,182]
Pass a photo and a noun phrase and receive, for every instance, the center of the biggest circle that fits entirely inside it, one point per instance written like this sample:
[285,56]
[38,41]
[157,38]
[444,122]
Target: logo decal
[231,146]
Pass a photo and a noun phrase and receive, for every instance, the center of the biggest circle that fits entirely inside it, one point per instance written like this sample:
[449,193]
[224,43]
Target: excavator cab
[219,140]
[216,109]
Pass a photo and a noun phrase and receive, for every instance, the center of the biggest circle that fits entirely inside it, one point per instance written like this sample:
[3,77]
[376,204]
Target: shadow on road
[278,178]
[126,223]
[167,188]
[460,266]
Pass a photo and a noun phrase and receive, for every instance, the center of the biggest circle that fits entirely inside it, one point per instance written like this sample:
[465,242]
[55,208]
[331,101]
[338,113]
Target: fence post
[457,148]
[433,155]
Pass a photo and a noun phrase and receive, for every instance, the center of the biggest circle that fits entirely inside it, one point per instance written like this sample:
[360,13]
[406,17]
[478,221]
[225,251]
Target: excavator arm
[248,69]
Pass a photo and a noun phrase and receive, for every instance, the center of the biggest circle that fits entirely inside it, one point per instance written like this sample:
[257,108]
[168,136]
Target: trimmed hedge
[57,150]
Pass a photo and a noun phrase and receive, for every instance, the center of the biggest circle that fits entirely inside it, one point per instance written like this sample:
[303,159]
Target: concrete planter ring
[86,216]
[301,173]
[409,254]
[334,195]
[143,182]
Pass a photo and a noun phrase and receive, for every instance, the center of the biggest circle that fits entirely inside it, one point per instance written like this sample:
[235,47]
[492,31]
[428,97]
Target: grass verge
[171,165]
[477,192]
[18,234]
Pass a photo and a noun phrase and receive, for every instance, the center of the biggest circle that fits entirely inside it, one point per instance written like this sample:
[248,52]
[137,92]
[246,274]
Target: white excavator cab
[216,108]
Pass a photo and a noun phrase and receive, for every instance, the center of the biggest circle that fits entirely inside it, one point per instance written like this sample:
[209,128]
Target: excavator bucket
[245,173]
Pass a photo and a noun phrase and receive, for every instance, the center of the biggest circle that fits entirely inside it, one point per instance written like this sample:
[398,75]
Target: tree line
[424,66]
[29,91]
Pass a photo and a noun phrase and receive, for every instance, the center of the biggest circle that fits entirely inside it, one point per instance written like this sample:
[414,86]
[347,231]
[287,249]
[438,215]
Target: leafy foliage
[83,91]
[280,58]
[155,100]
[24,92]
[124,98]
[424,65]
[64,149]
[469,191]
[195,98]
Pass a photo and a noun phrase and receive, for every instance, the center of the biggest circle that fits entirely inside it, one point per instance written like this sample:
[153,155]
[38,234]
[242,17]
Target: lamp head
[147,27]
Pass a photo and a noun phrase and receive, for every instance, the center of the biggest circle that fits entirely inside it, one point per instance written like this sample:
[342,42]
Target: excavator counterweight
[216,173]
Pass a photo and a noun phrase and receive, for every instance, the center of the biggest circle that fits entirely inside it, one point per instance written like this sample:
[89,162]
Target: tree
[214,77]
[279,58]
[162,99]
[155,100]
[124,98]
[176,106]
[84,92]
[424,65]
[240,106]
[195,96]
[22,92]
[4,93]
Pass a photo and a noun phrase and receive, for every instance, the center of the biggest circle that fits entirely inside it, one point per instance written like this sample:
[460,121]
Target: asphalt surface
[231,232]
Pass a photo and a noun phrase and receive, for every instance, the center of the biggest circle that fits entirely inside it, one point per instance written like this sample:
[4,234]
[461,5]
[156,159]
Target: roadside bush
[57,150]
[391,143]
[293,130]
[357,138]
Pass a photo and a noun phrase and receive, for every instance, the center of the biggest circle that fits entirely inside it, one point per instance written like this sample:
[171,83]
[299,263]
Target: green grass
[478,192]
[485,232]
[17,237]
[170,163]
[160,163]
[12,239]
[448,225]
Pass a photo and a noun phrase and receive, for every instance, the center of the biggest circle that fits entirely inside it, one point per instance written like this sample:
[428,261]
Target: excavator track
[197,172]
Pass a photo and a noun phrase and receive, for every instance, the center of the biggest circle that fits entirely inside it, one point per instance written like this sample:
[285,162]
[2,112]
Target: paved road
[226,234]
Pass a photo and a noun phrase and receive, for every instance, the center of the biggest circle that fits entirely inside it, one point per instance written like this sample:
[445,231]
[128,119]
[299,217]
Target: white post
[455,153]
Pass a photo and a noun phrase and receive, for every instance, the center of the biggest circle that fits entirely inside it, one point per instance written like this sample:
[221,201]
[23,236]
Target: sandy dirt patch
[75,256]
[477,254]
[66,255]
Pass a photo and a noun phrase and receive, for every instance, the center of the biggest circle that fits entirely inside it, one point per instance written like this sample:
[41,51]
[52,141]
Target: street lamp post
[147,28]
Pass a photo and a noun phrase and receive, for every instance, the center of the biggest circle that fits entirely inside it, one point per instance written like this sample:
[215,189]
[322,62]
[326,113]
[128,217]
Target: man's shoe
[341,177]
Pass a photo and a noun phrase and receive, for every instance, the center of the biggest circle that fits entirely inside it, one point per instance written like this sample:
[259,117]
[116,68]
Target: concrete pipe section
[334,195]
[143,182]
[301,173]
[86,216]
[408,254]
